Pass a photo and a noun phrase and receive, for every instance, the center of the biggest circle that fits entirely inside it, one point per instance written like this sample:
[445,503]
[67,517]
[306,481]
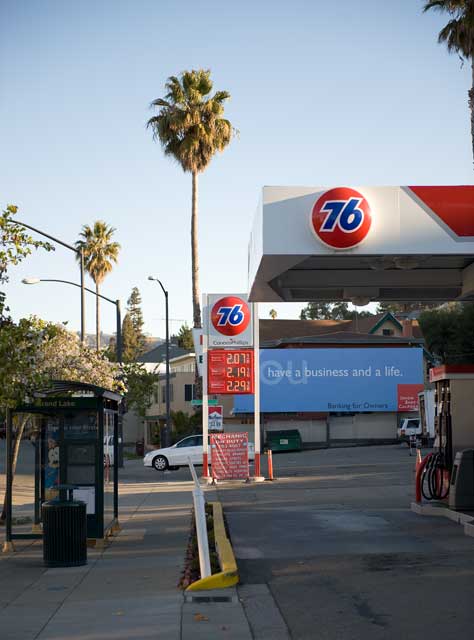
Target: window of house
[155,394]
[387,332]
[189,392]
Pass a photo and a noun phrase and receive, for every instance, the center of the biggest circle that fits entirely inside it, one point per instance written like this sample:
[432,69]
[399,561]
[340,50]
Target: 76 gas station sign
[229,321]
[230,339]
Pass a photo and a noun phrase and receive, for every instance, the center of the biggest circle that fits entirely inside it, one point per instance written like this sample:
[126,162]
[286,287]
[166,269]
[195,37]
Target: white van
[409,427]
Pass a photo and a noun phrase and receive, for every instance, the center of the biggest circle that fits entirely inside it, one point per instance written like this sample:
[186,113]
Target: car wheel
[160,463]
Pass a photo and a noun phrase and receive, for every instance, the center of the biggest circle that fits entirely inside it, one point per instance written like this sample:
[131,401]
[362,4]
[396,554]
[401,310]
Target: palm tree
[273,314]
[458,35]
[99,254]
[191,129]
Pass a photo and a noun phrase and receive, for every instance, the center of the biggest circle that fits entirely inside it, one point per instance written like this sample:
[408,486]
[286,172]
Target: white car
[177,455]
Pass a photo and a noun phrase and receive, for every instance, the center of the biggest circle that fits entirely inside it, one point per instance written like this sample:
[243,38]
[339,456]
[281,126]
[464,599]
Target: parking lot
[335,545]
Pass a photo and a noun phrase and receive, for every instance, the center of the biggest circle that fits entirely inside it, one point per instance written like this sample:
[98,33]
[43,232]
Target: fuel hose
[432,481]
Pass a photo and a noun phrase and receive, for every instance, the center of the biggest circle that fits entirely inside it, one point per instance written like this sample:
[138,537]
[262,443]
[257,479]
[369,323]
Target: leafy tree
[185,424]
[15,245]
[133,338]
[316,311]
[185,338]
[33,353]
[273,314]
[331,311]
[140,383]
[404,307]
[134,309]
[100,252]
[129,343]
[449,332]
[191,129]
[458,35]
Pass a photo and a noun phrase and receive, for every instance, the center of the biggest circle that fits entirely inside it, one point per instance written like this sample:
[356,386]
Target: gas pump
[448,471]
[435,479]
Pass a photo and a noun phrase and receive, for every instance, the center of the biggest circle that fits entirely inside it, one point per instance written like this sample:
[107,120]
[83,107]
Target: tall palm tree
[458,35]
[100,252]
[191,129]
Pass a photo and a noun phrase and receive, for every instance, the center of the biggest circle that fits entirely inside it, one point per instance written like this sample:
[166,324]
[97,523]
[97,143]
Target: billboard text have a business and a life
[334,380]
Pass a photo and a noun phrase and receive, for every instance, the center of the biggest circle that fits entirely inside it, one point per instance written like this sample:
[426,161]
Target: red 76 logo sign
[341,218]
[230,316]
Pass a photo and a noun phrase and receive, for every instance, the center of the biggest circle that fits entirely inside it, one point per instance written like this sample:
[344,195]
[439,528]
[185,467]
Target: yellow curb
[229,574]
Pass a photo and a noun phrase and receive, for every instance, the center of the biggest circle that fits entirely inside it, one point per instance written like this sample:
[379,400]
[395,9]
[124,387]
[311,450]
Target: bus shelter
[69,426]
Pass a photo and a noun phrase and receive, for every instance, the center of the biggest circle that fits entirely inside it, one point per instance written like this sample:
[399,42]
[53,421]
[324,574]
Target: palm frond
[188,124]
[99,251]
[458,33]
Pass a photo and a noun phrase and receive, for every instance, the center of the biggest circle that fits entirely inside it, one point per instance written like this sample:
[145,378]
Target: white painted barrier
[201,527]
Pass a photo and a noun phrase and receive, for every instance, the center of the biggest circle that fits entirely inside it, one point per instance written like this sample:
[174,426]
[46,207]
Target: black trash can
[64,533]
[140,447]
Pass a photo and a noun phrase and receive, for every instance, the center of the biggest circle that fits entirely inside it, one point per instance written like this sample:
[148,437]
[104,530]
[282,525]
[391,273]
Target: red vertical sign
[229,456]
[408,396]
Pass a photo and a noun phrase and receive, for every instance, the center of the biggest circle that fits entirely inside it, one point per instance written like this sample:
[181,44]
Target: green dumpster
[284,440]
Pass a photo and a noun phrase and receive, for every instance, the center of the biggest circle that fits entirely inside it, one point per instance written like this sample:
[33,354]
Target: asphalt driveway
[334,543]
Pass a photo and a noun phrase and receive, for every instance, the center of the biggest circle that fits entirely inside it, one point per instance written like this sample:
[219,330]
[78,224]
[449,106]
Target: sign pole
[256,358]
[205,403]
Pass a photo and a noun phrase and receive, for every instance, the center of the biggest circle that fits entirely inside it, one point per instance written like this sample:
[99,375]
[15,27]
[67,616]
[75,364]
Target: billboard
[334,380]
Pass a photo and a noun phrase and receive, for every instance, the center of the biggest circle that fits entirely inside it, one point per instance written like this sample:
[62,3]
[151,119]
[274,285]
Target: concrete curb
[229,575]
[438,509]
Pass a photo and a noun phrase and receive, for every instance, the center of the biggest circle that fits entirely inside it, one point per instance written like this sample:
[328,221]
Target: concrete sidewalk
[129,589]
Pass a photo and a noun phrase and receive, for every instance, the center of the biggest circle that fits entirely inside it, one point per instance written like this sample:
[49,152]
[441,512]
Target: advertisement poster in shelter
[229,456]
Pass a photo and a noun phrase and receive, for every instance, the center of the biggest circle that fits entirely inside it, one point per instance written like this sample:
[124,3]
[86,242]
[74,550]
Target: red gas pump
[436,471]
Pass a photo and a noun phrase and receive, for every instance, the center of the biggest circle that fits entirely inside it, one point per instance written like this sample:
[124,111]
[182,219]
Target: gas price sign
[230,371]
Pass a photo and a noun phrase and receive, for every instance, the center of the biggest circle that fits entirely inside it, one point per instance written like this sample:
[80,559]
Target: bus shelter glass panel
[81,449]
[24,451]
[109,462]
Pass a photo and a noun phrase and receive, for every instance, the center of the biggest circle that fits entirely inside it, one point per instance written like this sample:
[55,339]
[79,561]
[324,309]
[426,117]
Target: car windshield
[192,441]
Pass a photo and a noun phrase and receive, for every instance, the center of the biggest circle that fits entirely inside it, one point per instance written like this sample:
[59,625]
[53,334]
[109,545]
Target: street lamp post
[167,430]
[115,302]
[78,252]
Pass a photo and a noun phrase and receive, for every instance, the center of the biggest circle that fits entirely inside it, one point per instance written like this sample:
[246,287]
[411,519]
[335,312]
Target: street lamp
[80,253]
[167,430]
[99,295]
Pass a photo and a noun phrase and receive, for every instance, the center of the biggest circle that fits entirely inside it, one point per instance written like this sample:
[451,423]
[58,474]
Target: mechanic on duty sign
[229,456]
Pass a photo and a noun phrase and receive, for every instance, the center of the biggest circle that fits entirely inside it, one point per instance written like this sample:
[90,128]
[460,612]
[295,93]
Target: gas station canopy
[360,244]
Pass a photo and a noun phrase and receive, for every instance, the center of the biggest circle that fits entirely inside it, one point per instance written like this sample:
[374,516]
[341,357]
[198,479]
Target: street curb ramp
[228,576]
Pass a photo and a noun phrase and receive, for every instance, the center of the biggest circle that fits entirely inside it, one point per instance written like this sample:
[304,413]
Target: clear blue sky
[322,94]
